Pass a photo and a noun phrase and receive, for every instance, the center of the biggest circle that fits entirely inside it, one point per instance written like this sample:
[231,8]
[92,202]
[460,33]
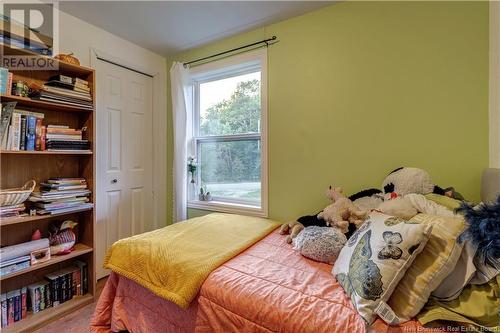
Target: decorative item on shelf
[39,256]
[16,196]
[21,89]
[62,237]
[204,195]
[37,234]
[69,58]
[192,166]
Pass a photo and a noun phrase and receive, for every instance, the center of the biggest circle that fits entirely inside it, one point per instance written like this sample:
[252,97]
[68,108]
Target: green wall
[359,88]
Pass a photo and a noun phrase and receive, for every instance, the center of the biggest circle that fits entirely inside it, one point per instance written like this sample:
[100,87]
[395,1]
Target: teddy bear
[341,211]
[324,220]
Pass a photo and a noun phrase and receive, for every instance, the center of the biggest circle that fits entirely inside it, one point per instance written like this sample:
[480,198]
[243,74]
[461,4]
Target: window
[228,140]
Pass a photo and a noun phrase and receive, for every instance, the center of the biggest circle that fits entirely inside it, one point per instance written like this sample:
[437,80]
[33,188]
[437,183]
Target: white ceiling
[167,27]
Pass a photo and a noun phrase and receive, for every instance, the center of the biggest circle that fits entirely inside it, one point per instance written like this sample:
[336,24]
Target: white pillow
[375,258]
[320,243]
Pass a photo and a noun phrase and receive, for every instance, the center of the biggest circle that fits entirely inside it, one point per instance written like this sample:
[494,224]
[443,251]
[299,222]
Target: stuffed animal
[410,205]
[62,237]
[483,230]
[410,180]
[295,227]
[341,211]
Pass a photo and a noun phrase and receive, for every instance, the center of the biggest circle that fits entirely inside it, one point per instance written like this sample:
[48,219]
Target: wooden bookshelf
[17,167]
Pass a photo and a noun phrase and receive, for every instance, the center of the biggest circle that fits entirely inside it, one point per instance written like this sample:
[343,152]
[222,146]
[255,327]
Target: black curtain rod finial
[264,41]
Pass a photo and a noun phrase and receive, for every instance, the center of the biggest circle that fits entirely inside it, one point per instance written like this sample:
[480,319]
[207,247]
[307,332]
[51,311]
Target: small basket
[16,196]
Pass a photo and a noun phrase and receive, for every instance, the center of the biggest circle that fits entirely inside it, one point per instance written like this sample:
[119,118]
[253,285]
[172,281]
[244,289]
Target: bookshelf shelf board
[24,219]
[37,320]
[79,250]
[62,66]
[26,101]
[47,152]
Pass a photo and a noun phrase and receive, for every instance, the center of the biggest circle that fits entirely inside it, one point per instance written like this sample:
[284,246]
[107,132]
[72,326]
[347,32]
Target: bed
[267,288]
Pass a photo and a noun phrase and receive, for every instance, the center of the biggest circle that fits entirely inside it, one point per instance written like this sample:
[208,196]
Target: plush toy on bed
[483,230]
[320,244]
[405,180]
[341,211]
[341,214]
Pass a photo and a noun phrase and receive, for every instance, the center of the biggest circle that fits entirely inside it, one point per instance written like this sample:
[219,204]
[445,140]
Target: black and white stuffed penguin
[405,180]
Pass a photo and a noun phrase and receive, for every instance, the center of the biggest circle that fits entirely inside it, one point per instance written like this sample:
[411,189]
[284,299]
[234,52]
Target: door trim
[159,183]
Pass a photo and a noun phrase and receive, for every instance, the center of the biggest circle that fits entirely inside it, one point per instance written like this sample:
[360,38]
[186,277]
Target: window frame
[237,65]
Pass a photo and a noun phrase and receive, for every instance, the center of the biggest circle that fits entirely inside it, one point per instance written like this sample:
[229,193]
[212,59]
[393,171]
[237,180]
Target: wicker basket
[16,196]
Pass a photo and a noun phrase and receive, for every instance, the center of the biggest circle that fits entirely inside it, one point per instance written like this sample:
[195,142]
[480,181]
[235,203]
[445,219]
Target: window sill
[227,207]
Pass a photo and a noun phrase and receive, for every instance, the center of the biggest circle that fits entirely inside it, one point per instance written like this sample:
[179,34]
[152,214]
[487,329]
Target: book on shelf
[16,260]
[38,134]
[6,79]
[5,121]
[5,89]
[66,90]
[3,304]
[65,210]
[22,143]
[30,133]
[14,267]
[61,195]
[12,210]
[62,186]
[67,181]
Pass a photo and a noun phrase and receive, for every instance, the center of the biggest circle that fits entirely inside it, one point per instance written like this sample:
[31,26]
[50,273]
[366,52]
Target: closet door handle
[114,181]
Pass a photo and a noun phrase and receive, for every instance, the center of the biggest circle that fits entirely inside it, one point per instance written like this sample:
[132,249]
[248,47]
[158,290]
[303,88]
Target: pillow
[375,258]
[431,267]
[443,200]
[320,243]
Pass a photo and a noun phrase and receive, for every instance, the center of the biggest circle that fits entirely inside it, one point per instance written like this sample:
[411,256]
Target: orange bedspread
[268,288]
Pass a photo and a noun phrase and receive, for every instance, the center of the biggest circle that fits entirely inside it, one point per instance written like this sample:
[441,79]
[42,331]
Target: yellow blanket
[173,262]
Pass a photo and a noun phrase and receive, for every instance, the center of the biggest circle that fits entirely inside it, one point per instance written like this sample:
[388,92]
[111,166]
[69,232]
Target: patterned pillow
[431,267]
[320,243]
[375,258]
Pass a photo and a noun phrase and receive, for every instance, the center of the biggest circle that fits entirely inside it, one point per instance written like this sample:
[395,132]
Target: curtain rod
[266,41]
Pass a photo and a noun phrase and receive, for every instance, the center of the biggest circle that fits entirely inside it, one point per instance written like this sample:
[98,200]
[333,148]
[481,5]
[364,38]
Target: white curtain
[181,104]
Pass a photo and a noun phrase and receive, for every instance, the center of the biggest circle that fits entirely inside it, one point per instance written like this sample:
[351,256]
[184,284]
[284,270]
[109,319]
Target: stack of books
[61,195]
[21,129]
[64,138]
[12,210]
[13,265]
[66,90]
[57,288]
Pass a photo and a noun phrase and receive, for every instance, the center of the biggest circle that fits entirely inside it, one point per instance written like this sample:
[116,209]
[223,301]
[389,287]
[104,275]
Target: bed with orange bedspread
[267,288]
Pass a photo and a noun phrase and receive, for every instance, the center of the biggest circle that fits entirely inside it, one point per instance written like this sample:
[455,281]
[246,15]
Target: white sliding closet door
[124,197]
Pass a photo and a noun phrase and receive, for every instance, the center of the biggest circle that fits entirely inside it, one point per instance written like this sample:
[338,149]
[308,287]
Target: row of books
[21,129]
[24,130]
[6,78]
[66,90]
[57,288]
[61,195]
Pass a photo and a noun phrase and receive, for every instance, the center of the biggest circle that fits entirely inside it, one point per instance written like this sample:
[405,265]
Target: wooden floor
[76,322]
